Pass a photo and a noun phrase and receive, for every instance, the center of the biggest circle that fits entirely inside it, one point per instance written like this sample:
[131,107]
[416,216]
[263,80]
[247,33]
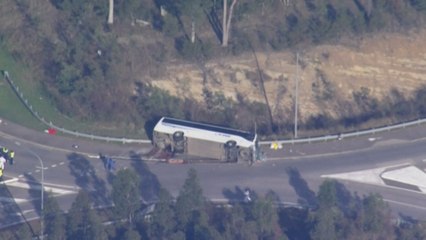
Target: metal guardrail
[51,125]
[346,135]
[287,141]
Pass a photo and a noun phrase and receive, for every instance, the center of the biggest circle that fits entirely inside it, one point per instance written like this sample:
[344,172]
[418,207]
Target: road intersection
[293,172]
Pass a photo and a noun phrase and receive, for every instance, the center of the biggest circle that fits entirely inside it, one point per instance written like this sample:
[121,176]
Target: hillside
[329,75]
[360,60]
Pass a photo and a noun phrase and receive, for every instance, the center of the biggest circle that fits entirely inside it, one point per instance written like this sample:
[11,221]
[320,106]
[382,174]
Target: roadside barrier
[279,142]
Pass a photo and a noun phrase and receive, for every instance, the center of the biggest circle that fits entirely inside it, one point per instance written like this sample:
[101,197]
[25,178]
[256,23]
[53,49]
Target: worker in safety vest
[11,156]
[4,153]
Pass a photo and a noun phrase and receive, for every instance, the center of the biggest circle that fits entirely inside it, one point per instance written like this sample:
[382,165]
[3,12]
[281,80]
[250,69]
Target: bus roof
[210,127]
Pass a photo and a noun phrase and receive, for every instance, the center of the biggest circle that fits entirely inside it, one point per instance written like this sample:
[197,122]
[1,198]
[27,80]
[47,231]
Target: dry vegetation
[355,57]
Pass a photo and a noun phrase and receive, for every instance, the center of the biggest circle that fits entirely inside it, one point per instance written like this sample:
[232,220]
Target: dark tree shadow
[233,196]
[10,211]
[86,178]
[149,126]
[237,195]
[150,186]
[306,195]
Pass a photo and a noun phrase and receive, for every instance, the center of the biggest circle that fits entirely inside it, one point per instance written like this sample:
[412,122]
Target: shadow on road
[11,212]
[306,195]
[233,196]
[238,194]
[34,191]
[150,186]
[86,178]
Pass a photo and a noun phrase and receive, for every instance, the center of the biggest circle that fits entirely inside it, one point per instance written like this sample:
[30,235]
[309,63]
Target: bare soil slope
[328,74]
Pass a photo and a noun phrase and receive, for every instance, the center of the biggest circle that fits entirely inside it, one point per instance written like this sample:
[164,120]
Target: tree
[126,193]
[163,218]
[226,21]
[131,234]
[23,232]
[111,12]
[328,215]
[83,222]
[266,218]
[190,199]
[53,218]
[377,217]
[195,9]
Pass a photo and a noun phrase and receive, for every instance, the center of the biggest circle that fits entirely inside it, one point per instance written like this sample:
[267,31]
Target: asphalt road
[293,173]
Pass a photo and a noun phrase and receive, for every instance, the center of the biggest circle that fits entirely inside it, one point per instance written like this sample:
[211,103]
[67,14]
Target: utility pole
[296,95]
[42,194]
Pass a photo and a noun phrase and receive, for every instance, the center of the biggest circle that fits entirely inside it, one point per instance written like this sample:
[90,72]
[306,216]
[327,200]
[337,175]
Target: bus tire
[231,144]
[178,136]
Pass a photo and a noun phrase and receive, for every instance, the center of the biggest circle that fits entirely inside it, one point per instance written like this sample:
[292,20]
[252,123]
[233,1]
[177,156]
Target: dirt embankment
[328,74]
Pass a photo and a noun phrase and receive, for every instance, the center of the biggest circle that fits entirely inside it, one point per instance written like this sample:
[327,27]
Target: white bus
[205,140]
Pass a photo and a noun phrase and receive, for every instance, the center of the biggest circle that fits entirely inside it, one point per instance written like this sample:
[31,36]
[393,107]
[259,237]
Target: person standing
[11,157]
[5,153]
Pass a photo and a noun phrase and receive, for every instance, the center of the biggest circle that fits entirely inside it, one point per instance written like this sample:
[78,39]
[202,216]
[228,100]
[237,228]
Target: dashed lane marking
[37,170]
[61,163]
[21,176]
[54,165]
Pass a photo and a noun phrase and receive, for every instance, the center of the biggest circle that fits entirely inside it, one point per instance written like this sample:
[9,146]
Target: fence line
[286,141]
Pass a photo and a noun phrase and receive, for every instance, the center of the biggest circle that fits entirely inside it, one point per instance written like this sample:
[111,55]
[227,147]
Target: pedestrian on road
[11,157]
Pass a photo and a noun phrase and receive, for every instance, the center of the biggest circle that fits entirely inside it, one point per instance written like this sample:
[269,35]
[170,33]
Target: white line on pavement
[38,186]
[10,200]
[9,181]
[54,165]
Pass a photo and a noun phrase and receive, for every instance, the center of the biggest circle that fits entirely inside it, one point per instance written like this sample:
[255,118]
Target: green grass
[12,109]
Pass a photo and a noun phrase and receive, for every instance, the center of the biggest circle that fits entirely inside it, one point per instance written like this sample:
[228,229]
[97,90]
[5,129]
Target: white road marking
[18,143]
[10,200]
[21,176]
[37,170]
[61,163]
[38,187]
[371,176]
[9,181]
[92,156]
[24,212]
[29,173]
[54,165]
